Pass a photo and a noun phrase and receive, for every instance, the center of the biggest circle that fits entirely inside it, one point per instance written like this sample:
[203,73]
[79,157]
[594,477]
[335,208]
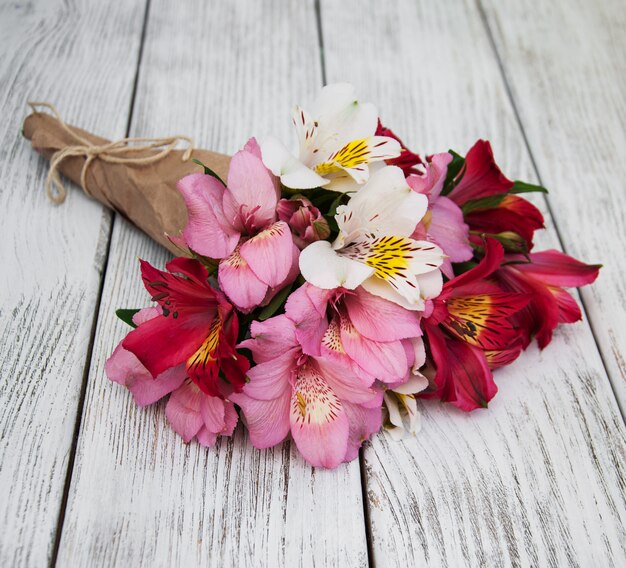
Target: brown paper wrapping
[145,194]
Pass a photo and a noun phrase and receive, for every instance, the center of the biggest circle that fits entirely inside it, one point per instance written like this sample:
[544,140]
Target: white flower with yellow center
[374,248]
[337,144]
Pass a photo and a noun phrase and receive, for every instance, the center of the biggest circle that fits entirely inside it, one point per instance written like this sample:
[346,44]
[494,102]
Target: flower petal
[165,342]
[212,412]
[206,438]
[267,420]
[363,423]
[207,232]
[463,376]
[124,368]
[306,307]
[384,360]
[240,283]
[344,383]
[481,176]
[252,190]
[449,231]
[386,205]
[323,267]
[555,268]
[292,172]
[270,254]
[409,299]
[269,380]
[183,411]
[319,425]
[271,338]
[379,319]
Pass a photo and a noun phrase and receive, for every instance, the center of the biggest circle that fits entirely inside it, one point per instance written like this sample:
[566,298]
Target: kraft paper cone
[145,194]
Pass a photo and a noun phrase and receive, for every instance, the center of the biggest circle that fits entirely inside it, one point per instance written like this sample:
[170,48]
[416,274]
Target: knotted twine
[118,152]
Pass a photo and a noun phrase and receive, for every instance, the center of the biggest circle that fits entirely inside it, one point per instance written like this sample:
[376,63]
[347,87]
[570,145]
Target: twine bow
[119,152]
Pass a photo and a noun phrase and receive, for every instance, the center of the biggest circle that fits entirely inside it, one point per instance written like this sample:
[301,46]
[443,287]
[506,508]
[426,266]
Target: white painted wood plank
[566,64]
[537,479]
[139,497]
[82,57]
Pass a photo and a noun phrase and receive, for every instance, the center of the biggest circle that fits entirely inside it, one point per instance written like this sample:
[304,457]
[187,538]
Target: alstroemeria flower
[374,248]
[401,419]
[543,276]
[328,411]
[191,412]
[443,223]
[306,222]
[514,219]
[480,177]
[197,328]
[238,224]
[368,334]
[472,322]
[337,143]
[407,160]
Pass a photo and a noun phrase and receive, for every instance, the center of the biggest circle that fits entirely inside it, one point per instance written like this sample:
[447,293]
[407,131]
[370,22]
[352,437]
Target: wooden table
[87,479]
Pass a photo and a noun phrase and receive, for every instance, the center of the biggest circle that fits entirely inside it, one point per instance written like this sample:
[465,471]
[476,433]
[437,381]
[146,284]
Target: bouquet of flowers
[318,294]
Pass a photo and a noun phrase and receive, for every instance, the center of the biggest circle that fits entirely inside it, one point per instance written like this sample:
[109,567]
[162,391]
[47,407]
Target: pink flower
[306,222]
[373,337]
[328,411]
[238,224]
[191,412]
[443,224]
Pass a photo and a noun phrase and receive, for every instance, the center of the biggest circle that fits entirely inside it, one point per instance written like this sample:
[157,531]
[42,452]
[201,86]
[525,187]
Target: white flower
[337,143]
[374,248]
[401,418]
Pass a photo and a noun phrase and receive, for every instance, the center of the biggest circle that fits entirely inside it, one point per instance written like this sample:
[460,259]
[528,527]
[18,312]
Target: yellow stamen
[351,155]
[206,353]
[389,256]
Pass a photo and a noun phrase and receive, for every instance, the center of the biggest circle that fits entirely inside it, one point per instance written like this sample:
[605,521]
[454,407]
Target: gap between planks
[546,198]
[96,315]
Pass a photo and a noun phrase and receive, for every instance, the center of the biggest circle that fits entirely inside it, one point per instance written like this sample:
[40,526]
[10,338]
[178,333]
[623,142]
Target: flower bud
[305,220]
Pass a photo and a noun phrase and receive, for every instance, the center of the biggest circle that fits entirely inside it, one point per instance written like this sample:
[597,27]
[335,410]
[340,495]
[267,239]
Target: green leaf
[484,203]
[332,210]
[277,301]
[461,267]
[126,316]
[454,169]
[208,171]
[523,187]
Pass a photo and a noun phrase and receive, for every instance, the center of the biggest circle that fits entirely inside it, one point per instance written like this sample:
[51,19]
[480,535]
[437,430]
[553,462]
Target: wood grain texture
[81,56]
[538,479]
[218,71]
[565,62]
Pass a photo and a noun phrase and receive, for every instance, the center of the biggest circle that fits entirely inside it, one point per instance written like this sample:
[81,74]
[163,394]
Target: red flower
[471,331]
[480,177]
[511,217]
[543,275]
[197,327]
[407,160]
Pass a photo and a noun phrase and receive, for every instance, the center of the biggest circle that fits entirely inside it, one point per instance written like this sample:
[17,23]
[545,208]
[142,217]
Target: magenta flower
[328,411]
[372,336]
[305,220]
[196,326]
[238,224]
[190,412]
[443,223]
[543,276]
